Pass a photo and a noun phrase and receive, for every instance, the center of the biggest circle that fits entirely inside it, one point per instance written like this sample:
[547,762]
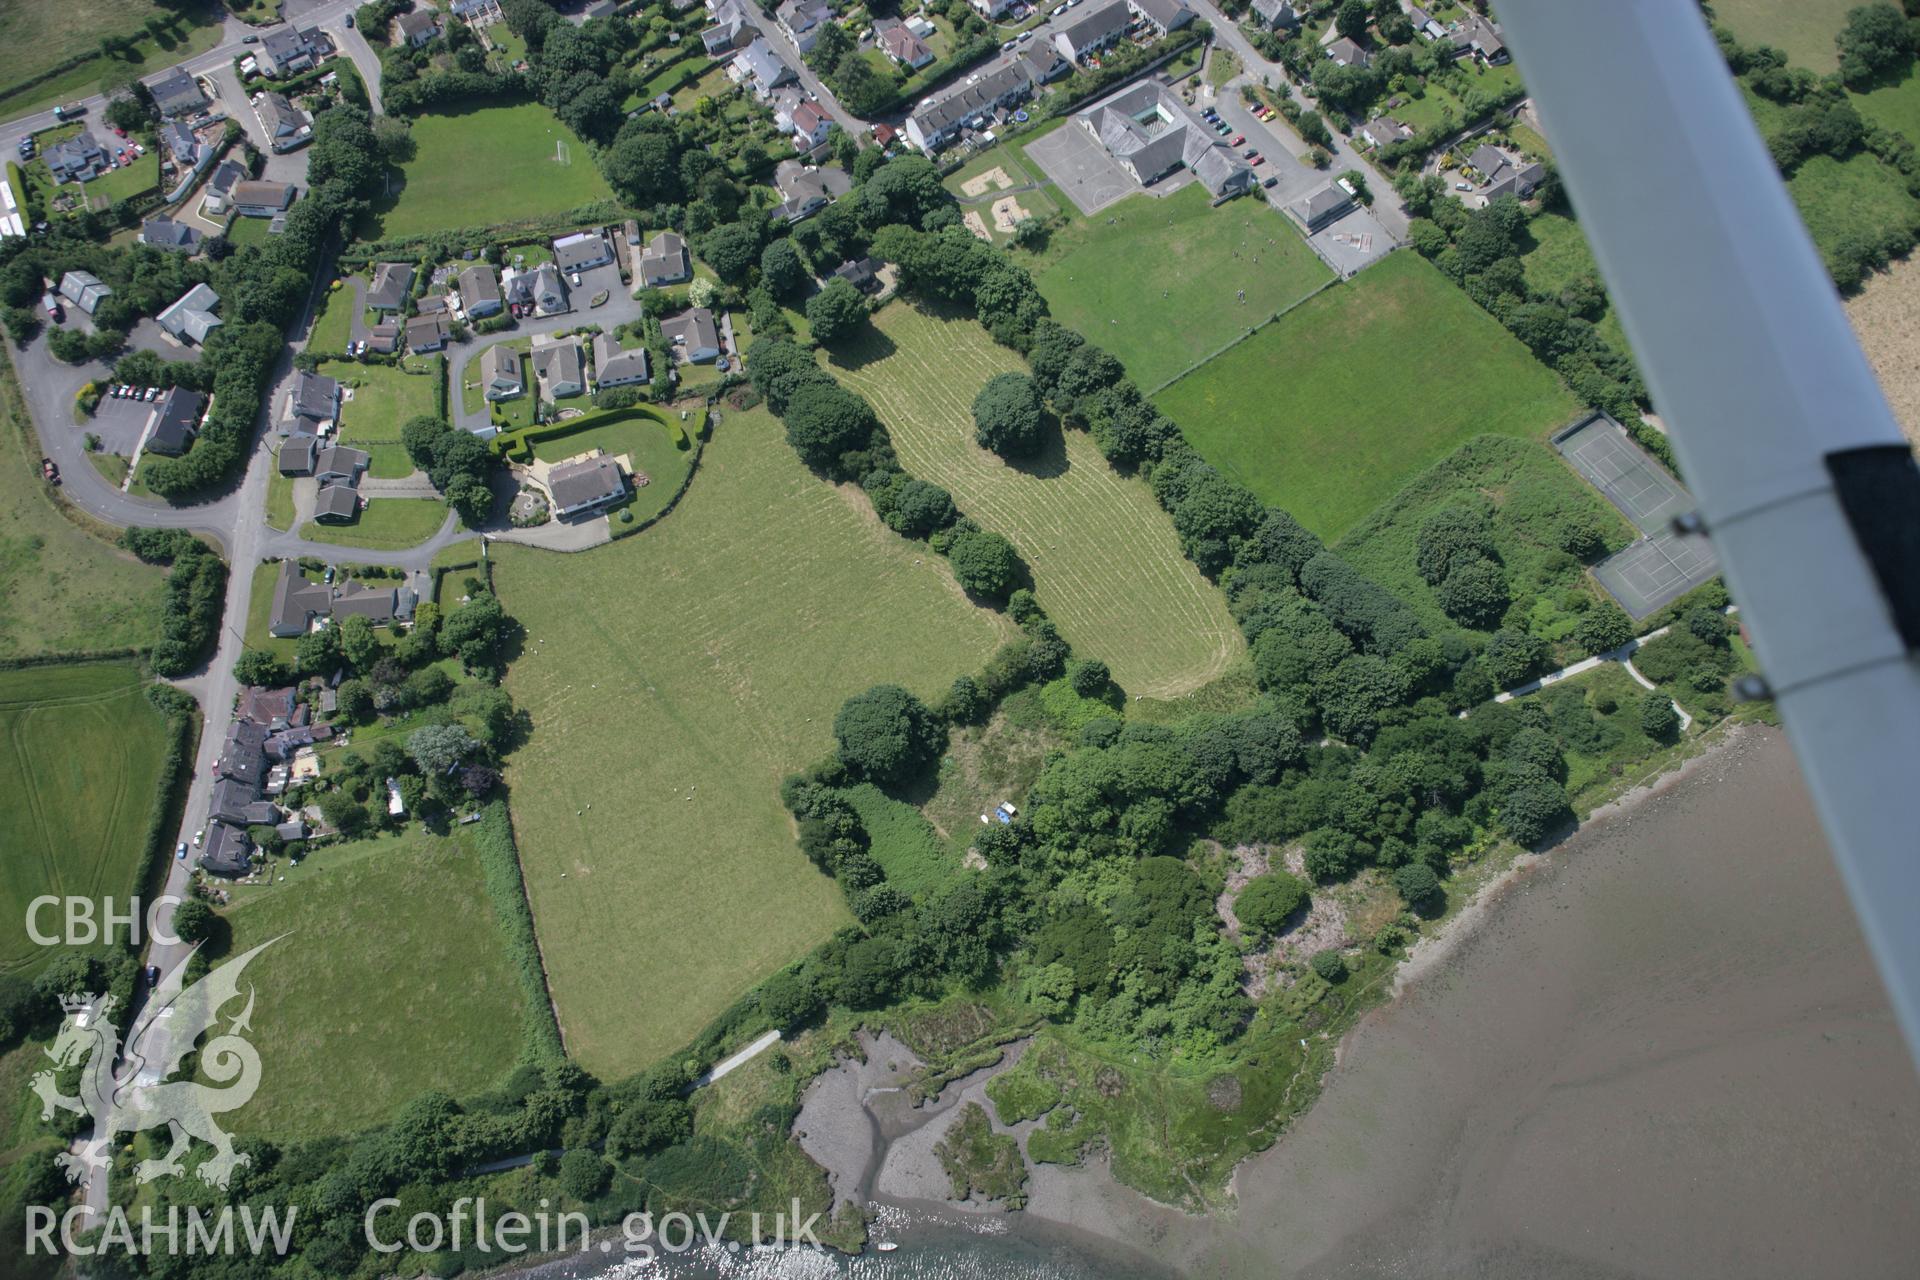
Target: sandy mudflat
[1663,1052]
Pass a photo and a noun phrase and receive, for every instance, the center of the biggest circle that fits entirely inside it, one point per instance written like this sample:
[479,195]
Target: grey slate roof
[560,362]
[296,601]
[176,420]
[665,260]
[176,93]
[693,328]
[479,286]
[337,501]
[165,233]
[392,283]
[585,482]
[1148,127]
[613,365]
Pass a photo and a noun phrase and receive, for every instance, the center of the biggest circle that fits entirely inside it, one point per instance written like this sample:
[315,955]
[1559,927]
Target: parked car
[574,278]
[1256,160]
[1249,154]
[49,471]
[249,39]
[1236,139]
[1463,186]
[180,851]
[1273,180]
[349,20]
[199,837]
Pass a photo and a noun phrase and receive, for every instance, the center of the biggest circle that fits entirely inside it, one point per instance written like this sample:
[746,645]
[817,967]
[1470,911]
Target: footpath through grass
[673,679]
[80,756]
[389,978]
[1335,407]
[1156,282]
[479,165]
[1106,564]
[62,589]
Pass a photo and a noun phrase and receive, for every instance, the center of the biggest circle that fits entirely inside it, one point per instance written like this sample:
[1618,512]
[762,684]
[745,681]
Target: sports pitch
[80,756]
[1106,564]
[674,678]
[1159,282]
[487,165]
[1331,409]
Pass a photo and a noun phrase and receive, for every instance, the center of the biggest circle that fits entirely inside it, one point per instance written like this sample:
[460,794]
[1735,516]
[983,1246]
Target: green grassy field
[389,973]
[333,327]
[1560,255]
[62,589]
[36,36]
[912,853]
[455,179]
[378,400]
[1855,198]
[1106,564]
[719,644]
[1154,281]
[385,524]
[1531,492]
[1331,410]
[80,756]
[249,230]
[1803,29]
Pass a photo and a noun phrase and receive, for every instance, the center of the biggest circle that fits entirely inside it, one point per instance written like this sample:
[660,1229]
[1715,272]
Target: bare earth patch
[1324,925]
[976,224]
[994,179]
[1886,319]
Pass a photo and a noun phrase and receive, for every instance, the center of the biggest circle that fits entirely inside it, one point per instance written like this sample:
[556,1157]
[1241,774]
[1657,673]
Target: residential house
[227,853]
[810,126]
[991,9]
[297,603]
[416,28]
[694,335]
[283,746]
[585,484]
[1162,15]
[313,405]
[239,805]
[1317,208]
[1277,15]
[561,368]
[217,196]
[84,290]
[500,367]
[734,27]
[900,44]
[862,273]
[805,190]
[664,261]
[783,102]
[760,67]
[270,709]
[384,337]
[427,333]
[1042,64]
[287,126]
[297,453]
[286,51]
[582,250]
[1481,37]
[337,464]
[615,366]
[936,122]
[176,94]
[377,604]
[1151,133]
[77,159]
[1348,54]
[241,757]
[1093,31]
[1384,131]
[181,144]
[804,20]
[175,421]
[336,504]
[174,237]
[392,286]
[254,199]
[542,288]
[192,317]
[1505,174]
[479,291]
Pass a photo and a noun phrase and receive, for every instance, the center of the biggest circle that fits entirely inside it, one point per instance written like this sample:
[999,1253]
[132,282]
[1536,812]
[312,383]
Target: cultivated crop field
[1330,410]
[1154,281]
[391,975]
[674,678]
[80,756]
[455,179]
[1886,319]
[1106,564]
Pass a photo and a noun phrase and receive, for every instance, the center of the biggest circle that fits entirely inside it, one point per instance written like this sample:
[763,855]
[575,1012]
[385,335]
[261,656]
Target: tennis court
[1662,565]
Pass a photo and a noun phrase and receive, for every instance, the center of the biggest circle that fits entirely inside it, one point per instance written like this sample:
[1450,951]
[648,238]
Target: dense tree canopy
[1008,417]
[887,734]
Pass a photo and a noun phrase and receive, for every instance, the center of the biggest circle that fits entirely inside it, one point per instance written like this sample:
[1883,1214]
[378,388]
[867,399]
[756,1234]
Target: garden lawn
[1531,492]
[647,444]
[1106,564]
[1157,286]
[1333,408]
[382,399]
[249,230]
[260,613]
[62,589]
[662,869]
[485,165]
[1804,29]
[81,751]
[385,524]
[128,181]
[333,327]
[390,973]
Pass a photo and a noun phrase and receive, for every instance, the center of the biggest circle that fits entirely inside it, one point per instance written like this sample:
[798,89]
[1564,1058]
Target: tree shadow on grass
[1050,461]
[856,352]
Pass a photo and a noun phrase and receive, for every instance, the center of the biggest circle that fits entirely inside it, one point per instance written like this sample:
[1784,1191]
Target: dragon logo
[125,1094]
